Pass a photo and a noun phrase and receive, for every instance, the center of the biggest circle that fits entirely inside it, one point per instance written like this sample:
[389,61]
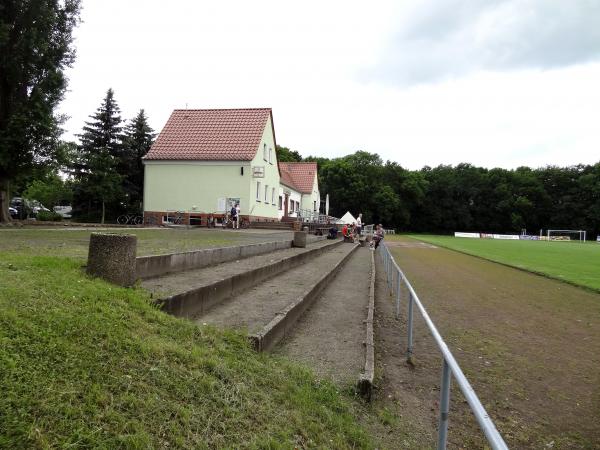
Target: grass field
[572,262]
[74,243]
[529,345]
[86,364]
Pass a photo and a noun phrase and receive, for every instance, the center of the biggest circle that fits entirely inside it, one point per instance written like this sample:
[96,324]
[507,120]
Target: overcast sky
[492,83]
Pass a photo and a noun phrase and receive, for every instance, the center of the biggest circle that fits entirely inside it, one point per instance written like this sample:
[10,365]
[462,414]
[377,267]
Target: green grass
[74,243]
[573,262]
[85,364]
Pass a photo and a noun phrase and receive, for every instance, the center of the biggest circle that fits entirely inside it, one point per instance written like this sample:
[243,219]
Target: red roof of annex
[211,135]
[298,175]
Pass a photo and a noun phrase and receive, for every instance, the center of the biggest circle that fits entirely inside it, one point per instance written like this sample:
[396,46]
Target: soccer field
[573,262]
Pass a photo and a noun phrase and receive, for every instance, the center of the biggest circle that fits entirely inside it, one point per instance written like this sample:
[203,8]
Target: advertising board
[467,235]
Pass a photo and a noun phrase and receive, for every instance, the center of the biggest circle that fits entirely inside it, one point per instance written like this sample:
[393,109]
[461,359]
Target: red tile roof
[298,175]
[211,134]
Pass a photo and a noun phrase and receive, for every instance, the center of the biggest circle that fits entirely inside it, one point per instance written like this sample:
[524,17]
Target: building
[299,190]
[204,161]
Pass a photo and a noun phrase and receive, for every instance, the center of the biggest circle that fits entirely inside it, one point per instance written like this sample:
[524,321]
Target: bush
[49,216]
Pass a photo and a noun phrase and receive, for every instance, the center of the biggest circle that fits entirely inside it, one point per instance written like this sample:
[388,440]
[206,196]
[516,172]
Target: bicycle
[130,219]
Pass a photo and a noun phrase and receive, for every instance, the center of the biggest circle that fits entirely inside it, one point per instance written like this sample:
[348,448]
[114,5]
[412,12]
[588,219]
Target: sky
[492,83]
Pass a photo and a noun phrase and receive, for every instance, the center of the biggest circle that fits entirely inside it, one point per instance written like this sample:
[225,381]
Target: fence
[395,278]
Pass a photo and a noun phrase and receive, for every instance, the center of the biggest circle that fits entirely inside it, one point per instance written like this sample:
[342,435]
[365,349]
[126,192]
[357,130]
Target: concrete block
[112,257]
[300,239]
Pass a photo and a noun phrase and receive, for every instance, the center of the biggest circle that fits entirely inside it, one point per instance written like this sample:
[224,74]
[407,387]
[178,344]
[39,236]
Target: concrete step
[269,310]
[193,292]
[331,337]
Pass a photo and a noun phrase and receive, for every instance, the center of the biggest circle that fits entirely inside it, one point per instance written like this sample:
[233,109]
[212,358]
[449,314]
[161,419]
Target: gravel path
[329,337]
[256,307]
[184,281]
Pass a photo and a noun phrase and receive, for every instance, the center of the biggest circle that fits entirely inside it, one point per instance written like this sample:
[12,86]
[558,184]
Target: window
[315,205]
[266,193]
[280,203]
[265,152]
[270,155]
[273,196]
[258,191]
[297,206]
[291,206]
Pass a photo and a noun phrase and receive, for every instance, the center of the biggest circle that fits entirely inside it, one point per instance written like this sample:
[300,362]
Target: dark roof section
[211,135]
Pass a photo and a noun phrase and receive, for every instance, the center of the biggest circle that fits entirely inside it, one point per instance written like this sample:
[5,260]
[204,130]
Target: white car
[64,211]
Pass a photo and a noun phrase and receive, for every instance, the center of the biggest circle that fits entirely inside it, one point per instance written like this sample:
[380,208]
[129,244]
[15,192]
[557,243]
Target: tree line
[445,199]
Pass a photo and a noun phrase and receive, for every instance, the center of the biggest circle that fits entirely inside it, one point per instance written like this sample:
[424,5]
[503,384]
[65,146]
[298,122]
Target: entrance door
[286,205]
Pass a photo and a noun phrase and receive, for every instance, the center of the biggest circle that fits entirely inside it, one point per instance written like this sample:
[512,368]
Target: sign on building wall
[258,171]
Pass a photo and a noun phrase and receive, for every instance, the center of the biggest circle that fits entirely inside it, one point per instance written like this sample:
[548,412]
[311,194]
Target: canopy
[347,219]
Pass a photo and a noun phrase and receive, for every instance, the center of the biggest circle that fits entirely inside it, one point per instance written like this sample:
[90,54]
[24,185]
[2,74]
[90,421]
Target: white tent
[347,219]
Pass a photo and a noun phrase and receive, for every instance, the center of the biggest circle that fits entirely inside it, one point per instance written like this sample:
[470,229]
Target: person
[359,225]
[333,231]
[237,214]
[377,237]
[233,214]
[345,230]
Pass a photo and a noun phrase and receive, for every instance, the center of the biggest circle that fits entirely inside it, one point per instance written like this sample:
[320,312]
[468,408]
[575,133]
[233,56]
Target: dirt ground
[328,337]
[530,347]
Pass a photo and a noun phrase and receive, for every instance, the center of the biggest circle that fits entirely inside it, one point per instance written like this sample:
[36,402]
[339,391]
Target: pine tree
[137,141]
[99,158]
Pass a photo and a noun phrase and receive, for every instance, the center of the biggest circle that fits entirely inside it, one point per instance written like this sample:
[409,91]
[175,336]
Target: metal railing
[395,278]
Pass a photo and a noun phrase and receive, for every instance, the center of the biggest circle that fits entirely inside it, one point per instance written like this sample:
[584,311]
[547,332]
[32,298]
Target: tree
[51,191]
[36,46]
[137,141]
[284,154]
[99,158]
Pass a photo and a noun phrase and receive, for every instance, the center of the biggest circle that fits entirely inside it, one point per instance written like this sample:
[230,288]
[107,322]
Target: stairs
[307,303]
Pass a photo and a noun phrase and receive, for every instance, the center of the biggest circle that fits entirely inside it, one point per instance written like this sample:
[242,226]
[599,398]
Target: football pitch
[574,262]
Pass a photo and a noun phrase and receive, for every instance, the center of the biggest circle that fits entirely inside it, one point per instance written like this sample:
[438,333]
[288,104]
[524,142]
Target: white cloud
[303,60]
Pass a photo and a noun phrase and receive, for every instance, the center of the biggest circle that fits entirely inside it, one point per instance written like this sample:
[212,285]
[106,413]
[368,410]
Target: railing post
[398,295]
[409,348]
[444,406]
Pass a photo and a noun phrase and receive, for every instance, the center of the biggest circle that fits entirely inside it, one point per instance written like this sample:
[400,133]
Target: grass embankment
[573,262]
[86,364]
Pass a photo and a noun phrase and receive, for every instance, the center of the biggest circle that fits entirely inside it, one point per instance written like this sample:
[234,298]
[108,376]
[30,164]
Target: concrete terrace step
[330,336]
[269,310]
[192,292]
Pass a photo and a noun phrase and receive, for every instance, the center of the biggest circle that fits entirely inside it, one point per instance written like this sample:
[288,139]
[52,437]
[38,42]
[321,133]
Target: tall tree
[36,45]
[100,153]
[137,141]
[284,154]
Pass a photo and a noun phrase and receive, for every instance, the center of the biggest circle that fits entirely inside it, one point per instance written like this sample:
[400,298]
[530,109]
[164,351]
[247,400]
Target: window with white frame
[280,203]
[265,152]
[258,191]
[270,155]
[266,193]
[273,196]
[314,205]
[291,206]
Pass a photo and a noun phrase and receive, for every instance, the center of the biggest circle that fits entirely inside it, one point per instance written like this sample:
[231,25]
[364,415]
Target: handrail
[450,365]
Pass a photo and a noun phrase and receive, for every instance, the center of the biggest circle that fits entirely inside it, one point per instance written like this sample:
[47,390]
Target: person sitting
[346,233]
[377,237]
[333,231]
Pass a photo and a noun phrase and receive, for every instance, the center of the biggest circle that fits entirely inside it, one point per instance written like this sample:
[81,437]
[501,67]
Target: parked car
[65,211]
[14,213]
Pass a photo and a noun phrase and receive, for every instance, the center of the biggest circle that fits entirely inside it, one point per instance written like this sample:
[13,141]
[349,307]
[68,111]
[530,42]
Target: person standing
[359,225]
[237,214]
[234,217]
